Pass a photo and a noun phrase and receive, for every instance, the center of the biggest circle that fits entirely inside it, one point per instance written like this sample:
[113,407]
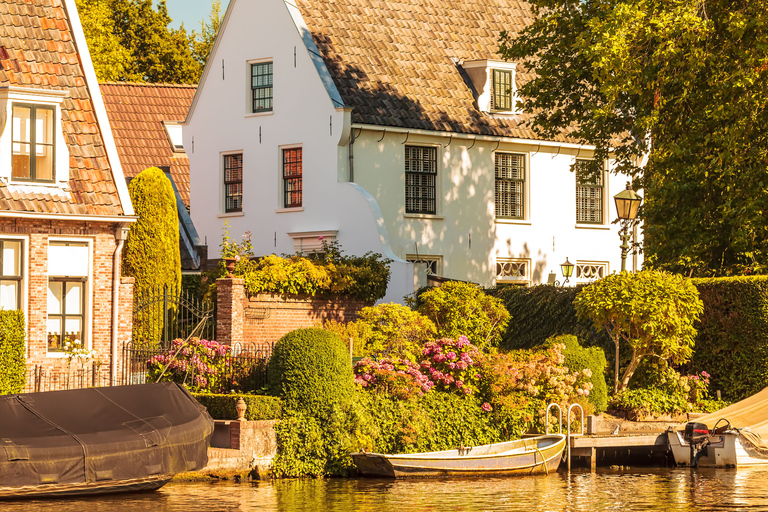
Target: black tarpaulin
[101,435]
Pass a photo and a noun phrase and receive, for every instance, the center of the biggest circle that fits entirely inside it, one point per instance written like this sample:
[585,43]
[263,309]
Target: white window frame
[24,284]
[438,182]
[523,280]
[424,258]
[249,91]
[580,264]
[604,200]
[526,189]
[87,292]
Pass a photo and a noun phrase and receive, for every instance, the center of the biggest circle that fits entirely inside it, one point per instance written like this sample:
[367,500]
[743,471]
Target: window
[512,270]
[510,186]
[233,183]
[174,132]
[10,274]
[587,271]
[420,180]
[292,170]
[68,264]
[503,98]
[589,194]
[432,263]
[33,142]
[261,87]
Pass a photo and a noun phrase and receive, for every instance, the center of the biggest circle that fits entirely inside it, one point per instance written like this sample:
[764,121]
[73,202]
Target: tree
[202,42]
[684,83]
[653,311]
[151,253]
[110,58]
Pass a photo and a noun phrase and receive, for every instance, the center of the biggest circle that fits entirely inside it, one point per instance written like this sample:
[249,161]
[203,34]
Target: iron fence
[243,368]
[72,376]
[166,313]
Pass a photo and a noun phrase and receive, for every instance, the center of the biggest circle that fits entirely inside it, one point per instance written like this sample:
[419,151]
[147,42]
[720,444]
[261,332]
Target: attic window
[494,85]
[173,130]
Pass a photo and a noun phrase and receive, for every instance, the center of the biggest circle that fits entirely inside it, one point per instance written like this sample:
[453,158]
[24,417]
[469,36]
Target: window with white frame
[11,269]
[510,186]
[433,263]
[233,183]
[261,87]
[590,189]
[587,271]
[68,270]
[503,90]
[420,180]
[513,270]
[293,187]
[33,142]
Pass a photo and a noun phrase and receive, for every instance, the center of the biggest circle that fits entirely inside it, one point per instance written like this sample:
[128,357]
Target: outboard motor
[697,436]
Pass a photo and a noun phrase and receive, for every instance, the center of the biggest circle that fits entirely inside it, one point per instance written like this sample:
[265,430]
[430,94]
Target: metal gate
[161,315]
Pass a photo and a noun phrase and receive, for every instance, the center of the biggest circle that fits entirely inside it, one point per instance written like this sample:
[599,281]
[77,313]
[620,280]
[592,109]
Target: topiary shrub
[310,369]
[222,407]
[13,370]
[463,309]
[579,358]
[151,253]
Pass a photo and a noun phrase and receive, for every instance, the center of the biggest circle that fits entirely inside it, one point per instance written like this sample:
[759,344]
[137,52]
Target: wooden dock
[587,445]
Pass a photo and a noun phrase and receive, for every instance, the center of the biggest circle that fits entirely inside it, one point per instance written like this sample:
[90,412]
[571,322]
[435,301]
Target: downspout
[351,157]
[121,233]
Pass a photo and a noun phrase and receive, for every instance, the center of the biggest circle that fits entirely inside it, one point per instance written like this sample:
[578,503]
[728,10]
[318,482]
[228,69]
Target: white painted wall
[303,114]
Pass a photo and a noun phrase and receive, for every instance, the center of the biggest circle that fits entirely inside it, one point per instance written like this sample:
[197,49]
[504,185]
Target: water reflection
[663,489]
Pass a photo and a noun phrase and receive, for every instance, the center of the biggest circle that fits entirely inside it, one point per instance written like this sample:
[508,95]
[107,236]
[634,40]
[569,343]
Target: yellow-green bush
[12,352]
[222,407]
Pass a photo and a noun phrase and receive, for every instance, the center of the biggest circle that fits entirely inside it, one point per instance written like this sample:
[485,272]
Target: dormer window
[33,142]
[494,85]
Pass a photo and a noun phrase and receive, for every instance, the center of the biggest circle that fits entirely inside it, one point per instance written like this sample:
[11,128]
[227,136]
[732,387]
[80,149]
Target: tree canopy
[684,83]
[131,40]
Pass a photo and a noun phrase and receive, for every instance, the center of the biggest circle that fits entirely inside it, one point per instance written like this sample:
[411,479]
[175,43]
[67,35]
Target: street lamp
[627,204]
[566,268]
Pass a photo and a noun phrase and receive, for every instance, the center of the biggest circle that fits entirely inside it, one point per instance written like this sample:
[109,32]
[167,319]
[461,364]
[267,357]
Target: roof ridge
[149,84]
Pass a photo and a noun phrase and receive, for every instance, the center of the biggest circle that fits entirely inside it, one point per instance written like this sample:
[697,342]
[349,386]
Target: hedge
[732,340]
[13,370]
[543,311]
[222,407]
[579,358]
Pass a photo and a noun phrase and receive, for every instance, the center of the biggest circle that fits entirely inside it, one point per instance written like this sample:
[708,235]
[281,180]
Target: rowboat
[535,455]
[731,437]
[99,440]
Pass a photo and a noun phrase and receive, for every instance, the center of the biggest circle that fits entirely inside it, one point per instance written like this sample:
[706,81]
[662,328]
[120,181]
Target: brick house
[64,204]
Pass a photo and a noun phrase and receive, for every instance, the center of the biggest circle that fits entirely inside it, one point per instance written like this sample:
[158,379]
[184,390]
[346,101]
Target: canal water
[662,489]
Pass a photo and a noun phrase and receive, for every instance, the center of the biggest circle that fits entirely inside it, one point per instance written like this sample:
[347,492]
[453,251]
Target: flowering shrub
[398,378]
[201,365]
[453,364]
[75,350]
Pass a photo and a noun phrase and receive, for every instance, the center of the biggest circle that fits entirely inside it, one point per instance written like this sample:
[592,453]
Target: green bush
[463,309]
[732,340]
[222,407]
[387,330]
[645,401]
[543,311]
[579,358]
[13,370]
[310,369]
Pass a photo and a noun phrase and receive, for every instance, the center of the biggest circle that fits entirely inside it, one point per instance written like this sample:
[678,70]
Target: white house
[391,126]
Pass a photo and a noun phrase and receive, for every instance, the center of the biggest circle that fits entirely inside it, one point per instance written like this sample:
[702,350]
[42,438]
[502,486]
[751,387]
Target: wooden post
[351,351]
[593,459]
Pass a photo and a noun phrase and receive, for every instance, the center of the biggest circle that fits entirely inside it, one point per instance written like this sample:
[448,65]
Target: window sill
[290,210]
[230,214]
[260,114]
[593,226]
[517,222]
[427,216]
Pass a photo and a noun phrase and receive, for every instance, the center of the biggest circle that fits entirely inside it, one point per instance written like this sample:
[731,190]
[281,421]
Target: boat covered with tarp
[99,440]
[534,455]
[734,436]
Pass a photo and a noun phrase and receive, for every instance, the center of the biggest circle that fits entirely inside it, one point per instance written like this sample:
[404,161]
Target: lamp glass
[567,268]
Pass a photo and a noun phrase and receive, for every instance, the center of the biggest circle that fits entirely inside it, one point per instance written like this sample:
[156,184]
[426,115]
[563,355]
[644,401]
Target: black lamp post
[627,204]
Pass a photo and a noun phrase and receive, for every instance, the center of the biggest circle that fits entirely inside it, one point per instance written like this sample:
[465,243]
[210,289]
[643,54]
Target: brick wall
[37,234]
[267,317]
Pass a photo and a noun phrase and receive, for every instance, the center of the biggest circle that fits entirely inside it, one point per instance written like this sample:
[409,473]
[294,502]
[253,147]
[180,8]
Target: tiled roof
[38,52]
[394,61]
[136,113]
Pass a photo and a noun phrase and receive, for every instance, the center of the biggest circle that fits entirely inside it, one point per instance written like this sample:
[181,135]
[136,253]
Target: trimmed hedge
[222,407]
[732,340]
[310,369]
[13,370]
[579,358]
[543,311]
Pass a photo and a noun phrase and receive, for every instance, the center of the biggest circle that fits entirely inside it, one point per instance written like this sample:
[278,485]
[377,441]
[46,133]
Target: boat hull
[723,450]
[84,489]
[539,455]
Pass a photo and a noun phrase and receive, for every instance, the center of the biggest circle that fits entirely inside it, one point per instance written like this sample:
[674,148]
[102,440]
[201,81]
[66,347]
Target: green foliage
[222,407]
[732,340]
[151,253]
[13,370]
[578,358]
[648,401]
[202,42]
[688,76]
[463,309]
[310,369]
[300,446]
[132,40]
[389,330]
[543,311]
[654,312]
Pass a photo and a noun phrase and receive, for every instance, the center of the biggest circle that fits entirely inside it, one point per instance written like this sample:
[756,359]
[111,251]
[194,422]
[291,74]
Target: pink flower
[451,355]
[320,238]
[486,407]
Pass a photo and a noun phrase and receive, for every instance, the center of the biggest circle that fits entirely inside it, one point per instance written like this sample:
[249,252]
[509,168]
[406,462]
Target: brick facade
[267,317]
[97,330]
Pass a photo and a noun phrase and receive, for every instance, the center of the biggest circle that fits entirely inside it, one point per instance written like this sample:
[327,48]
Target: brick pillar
[230,297]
